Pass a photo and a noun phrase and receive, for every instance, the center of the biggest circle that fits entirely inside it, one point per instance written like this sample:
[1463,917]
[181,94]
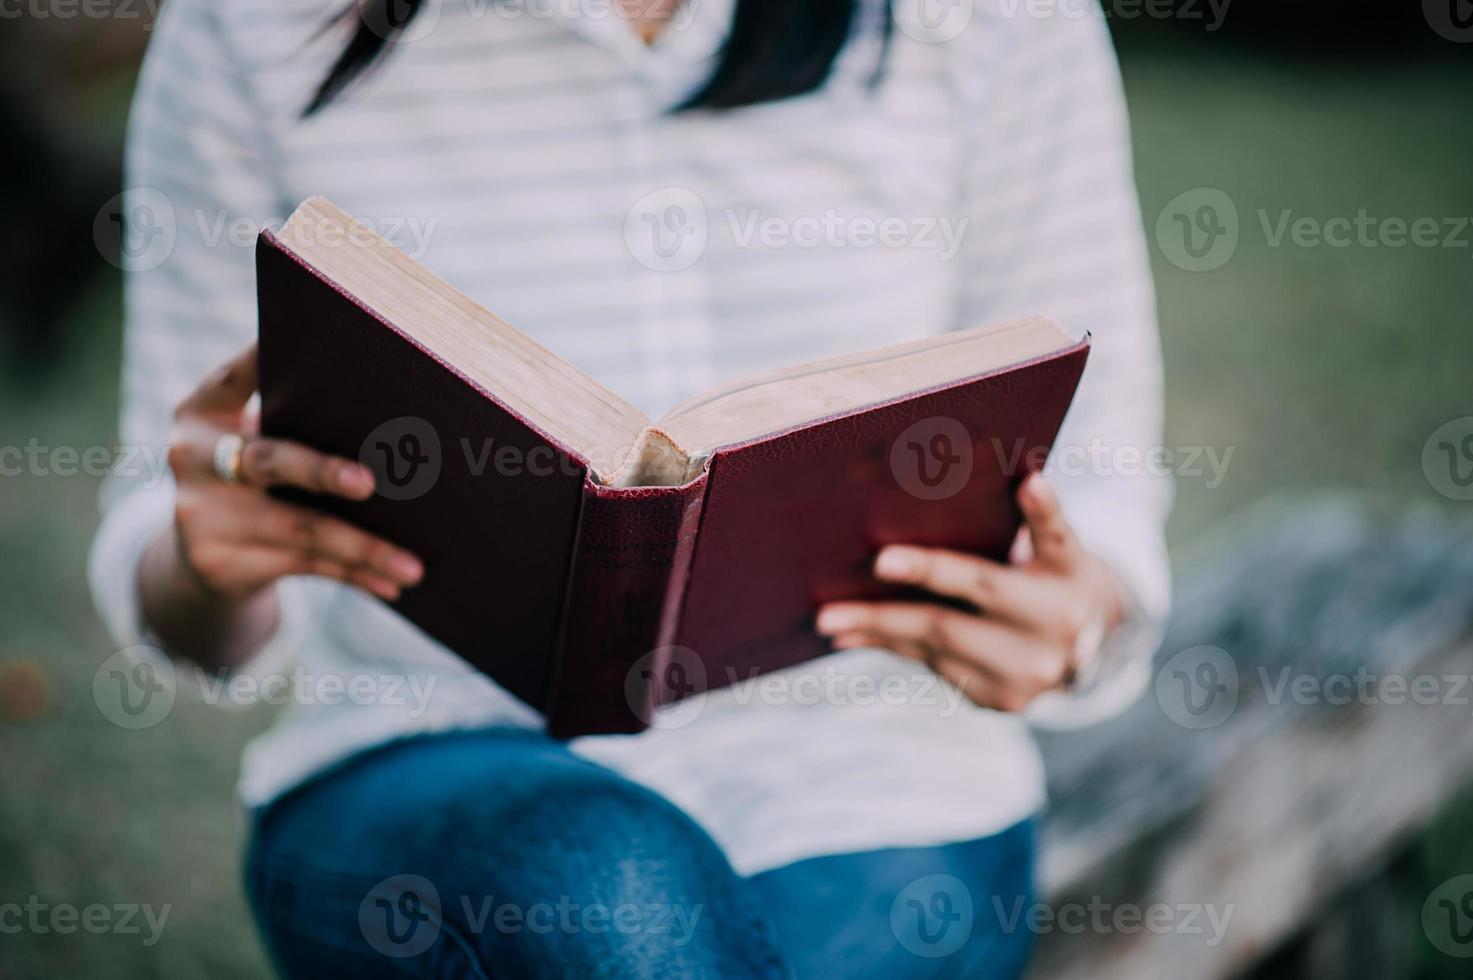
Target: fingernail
[407,567]
[1036,488]
[895,563]
[355,479]
[833,620]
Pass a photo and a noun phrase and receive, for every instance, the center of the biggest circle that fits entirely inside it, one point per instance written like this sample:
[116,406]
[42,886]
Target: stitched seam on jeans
[286,916]
[275,867]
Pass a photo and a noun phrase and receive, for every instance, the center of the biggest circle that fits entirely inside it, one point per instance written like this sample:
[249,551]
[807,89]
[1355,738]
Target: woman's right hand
[230,542]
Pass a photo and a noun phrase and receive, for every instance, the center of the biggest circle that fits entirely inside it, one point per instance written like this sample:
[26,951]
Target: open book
[598,564]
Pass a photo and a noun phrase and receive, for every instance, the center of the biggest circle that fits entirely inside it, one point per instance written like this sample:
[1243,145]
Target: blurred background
[1325,367]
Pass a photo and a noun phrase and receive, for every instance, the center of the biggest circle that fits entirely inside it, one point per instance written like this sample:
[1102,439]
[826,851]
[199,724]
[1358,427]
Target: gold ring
[228,450]
[1084,655]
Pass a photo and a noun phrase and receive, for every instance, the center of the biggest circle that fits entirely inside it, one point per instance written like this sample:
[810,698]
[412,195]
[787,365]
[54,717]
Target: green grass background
[1324,369]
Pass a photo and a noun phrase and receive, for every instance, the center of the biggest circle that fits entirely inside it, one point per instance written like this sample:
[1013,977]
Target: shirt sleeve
[1055,229]
[199,185]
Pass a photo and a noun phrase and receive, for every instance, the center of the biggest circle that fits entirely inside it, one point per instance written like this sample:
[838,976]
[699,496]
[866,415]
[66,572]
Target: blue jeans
[501,854]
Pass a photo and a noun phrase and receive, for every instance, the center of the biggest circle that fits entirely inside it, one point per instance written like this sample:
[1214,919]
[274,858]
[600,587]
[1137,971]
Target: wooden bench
[1306,787]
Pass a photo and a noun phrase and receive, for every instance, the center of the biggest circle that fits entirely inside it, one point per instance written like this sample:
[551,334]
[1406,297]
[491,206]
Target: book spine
[626,582]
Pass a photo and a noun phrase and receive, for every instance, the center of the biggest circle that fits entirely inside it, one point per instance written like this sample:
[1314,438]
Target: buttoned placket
[667,219]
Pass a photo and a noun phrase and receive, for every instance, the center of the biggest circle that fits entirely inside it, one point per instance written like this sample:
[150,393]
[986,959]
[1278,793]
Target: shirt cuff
[1133,546]
[1121,673]
[129,527]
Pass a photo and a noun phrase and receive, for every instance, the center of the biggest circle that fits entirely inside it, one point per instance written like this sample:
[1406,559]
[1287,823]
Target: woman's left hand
[1026,621]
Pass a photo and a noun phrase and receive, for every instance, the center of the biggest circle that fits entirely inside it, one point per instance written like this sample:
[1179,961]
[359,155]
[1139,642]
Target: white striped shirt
[525,152]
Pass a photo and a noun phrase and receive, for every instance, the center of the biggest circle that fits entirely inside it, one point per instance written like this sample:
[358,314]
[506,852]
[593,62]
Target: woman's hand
[207,583]
[1025,621]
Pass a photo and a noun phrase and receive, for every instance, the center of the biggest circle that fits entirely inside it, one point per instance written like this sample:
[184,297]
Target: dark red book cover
[794,520]
[593,603]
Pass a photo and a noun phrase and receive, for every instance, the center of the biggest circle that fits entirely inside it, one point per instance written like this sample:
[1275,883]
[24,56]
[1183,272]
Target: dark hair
[776,49]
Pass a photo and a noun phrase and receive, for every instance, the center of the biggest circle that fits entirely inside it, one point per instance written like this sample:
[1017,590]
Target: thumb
[1053,539]
[231,385]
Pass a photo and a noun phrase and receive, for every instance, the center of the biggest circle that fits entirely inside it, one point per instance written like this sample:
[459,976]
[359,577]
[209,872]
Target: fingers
[980,688]
[1052,538]
[321,536]
[1020,647]
[1021,553]
[1009,592]
[236,538]
[269,463]
[229,386]
[997,666]
[276,462]
[931,627]
[263,462]
[251,519]
[384,588]
[973,681]
[252,564]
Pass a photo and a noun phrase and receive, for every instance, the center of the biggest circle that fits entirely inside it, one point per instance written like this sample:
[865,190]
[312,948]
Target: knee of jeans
[605,871]
[612,840]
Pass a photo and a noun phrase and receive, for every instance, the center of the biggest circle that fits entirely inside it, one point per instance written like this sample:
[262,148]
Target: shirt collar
[681,57]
